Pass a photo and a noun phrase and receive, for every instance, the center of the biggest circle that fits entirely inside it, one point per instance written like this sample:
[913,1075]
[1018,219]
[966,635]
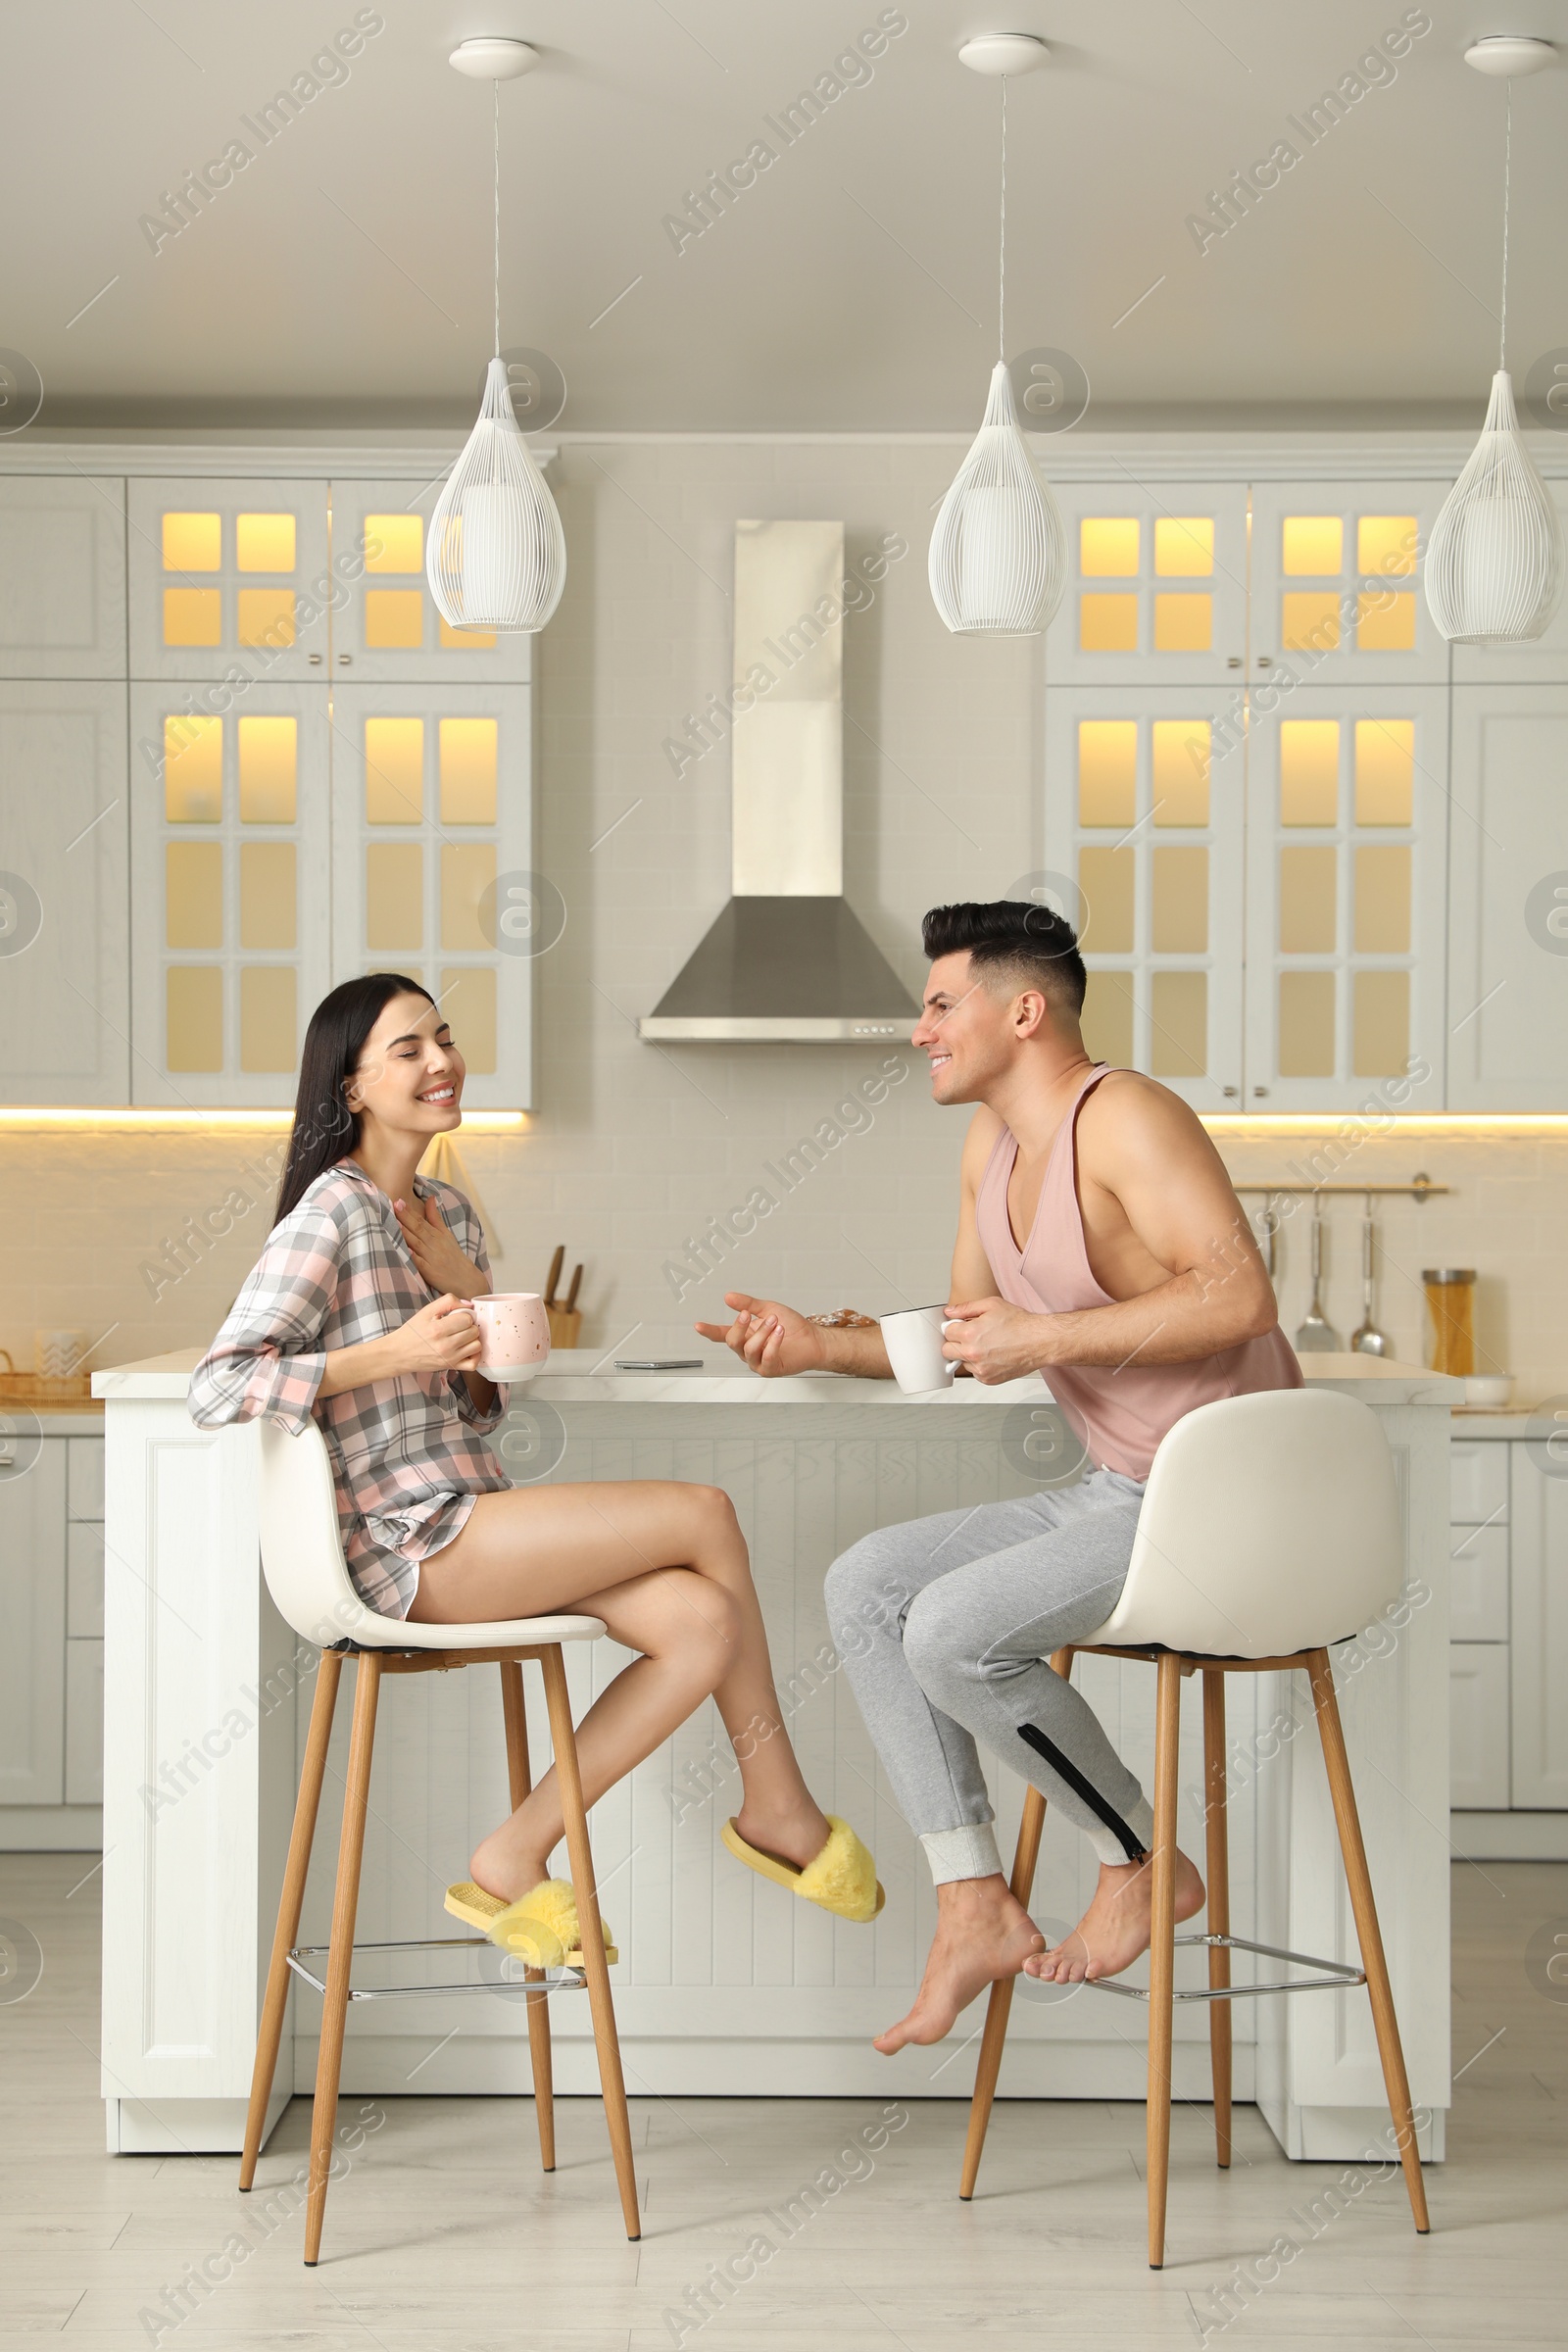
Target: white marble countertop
[587,1376]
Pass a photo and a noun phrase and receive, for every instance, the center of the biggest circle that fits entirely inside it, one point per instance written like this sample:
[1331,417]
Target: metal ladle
[1366,1339]
[1318,1335]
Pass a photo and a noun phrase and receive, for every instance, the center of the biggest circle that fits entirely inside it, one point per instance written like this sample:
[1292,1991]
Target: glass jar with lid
[1450,1293]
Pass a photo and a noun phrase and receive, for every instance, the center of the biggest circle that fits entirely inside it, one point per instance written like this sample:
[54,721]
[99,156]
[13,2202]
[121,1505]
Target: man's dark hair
[1012,940]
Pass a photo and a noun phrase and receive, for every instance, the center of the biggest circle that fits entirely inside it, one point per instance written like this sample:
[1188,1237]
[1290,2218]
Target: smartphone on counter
[659,1364]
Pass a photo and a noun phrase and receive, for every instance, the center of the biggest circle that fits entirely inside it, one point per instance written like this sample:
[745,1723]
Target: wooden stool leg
[1368,1934]
[610,2081]
[512,1706]
[301,1838]
[341,1957]
[999,2006]
[1163,1949]
[1219,1860]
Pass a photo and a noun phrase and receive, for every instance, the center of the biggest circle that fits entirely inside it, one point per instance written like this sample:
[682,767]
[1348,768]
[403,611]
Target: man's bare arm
[1206,1287]
[775,1340]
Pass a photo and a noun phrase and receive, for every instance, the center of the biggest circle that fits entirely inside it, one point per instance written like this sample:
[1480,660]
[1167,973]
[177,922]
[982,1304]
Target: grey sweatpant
[945,1626]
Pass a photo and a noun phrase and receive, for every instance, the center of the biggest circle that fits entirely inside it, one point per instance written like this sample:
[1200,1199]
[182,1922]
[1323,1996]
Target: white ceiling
[344,277]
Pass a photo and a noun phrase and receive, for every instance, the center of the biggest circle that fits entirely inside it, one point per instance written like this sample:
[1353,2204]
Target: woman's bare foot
[982,1934]
[797,1836]
[1116,1927]
[504,1867]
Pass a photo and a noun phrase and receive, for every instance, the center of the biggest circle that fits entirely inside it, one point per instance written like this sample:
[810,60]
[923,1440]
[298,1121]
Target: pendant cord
[497,88]
[1507,175]
[1002,239]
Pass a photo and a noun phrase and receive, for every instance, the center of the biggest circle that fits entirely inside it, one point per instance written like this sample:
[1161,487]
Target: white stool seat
[307,1577]
[1270,1525]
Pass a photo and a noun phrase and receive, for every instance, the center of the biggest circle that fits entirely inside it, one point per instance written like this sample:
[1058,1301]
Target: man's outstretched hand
[771,1336]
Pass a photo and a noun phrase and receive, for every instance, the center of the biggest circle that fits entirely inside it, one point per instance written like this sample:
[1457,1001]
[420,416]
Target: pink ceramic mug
[513,1334]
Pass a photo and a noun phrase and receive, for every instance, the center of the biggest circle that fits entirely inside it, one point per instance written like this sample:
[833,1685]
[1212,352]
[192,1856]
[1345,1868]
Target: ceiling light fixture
[998,563]
[497,554]
[1495,560]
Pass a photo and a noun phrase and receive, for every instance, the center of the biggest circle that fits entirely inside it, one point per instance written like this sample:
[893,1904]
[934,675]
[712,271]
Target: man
[1100,1244]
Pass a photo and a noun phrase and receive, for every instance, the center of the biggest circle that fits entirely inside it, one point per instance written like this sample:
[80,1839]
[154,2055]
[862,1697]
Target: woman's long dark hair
[326,1130]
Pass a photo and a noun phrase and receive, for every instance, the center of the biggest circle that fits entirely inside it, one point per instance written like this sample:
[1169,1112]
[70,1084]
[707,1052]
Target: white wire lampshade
[496,555]
[998,553]
[1494,563]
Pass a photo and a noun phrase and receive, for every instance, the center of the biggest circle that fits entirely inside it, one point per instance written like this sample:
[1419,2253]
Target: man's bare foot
[982,1934]
[797,1836]
[1116,1927]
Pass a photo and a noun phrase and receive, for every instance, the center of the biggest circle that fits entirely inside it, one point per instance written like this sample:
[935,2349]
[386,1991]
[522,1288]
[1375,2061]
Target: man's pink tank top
[1122,1414]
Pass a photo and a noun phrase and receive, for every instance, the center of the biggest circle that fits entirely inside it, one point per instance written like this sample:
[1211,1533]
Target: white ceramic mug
[513,1334]
[914,1342]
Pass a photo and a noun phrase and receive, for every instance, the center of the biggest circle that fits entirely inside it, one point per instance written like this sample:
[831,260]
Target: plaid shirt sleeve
[269,1357]
[468,1234]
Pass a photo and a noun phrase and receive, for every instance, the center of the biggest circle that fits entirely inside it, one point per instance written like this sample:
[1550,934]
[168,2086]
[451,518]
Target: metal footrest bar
[547,1980]
[1338,1974]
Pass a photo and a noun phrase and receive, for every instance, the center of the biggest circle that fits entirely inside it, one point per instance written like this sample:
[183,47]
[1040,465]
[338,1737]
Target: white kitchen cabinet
[84,1580]
[32,1612]
[1346,894]
[62,576]
[231,889]
[1336,597]
[432,832]
[64,893]
[385,625]
[1509,898]
[1539,1645]
[1479,1583]
[1478,1482]
[84,1478]
[1478,1717]
[1157,585]
[228,578]
[85,1721]
[1144,826]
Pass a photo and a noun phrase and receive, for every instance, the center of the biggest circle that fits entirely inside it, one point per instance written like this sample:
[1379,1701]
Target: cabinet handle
[1263,661]
[1231,1091]
[1233,660]
[1260,1090]
[315,660]
[344,659]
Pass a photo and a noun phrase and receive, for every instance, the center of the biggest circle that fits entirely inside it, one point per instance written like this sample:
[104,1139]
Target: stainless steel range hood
[787,961]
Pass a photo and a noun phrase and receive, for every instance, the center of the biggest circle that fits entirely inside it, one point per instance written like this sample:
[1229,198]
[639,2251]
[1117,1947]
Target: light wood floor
[446,2236]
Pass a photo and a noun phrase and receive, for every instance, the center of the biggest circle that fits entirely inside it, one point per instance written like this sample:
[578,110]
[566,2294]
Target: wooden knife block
[564,1326]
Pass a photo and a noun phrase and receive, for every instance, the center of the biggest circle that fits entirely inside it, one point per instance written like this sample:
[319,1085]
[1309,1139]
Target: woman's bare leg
[664,1564]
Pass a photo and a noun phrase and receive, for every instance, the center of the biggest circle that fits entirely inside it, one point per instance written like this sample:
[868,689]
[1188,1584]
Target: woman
[358,1314]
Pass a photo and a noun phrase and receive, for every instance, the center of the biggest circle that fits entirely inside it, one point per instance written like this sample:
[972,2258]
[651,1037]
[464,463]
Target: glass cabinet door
[1143,827]
[1346,878]
[431,858]
[1156,583]
[387,625]
[231,895]
[229,579]
[1335,585]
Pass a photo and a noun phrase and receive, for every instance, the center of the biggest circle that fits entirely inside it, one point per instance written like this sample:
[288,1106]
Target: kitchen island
[726,1983]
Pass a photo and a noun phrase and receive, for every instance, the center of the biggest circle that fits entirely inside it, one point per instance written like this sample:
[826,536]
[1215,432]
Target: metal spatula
[1366,1339]
[1318,1335]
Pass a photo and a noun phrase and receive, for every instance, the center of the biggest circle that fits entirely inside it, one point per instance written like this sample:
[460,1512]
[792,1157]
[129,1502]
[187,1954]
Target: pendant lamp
[1495,558]
[998,563]
[496,556]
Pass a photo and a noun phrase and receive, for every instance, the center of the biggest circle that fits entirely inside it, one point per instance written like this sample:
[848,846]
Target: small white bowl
[1488,1388]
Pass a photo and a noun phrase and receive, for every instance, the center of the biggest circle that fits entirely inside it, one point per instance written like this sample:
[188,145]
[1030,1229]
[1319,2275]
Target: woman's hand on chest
[435,1250]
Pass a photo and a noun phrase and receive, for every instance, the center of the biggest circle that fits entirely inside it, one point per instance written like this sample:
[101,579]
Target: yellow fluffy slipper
[841,1879]
[541,1928]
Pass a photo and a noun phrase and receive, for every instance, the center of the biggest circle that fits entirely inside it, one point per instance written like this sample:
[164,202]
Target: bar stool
[302,1558]
[1270,1527]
